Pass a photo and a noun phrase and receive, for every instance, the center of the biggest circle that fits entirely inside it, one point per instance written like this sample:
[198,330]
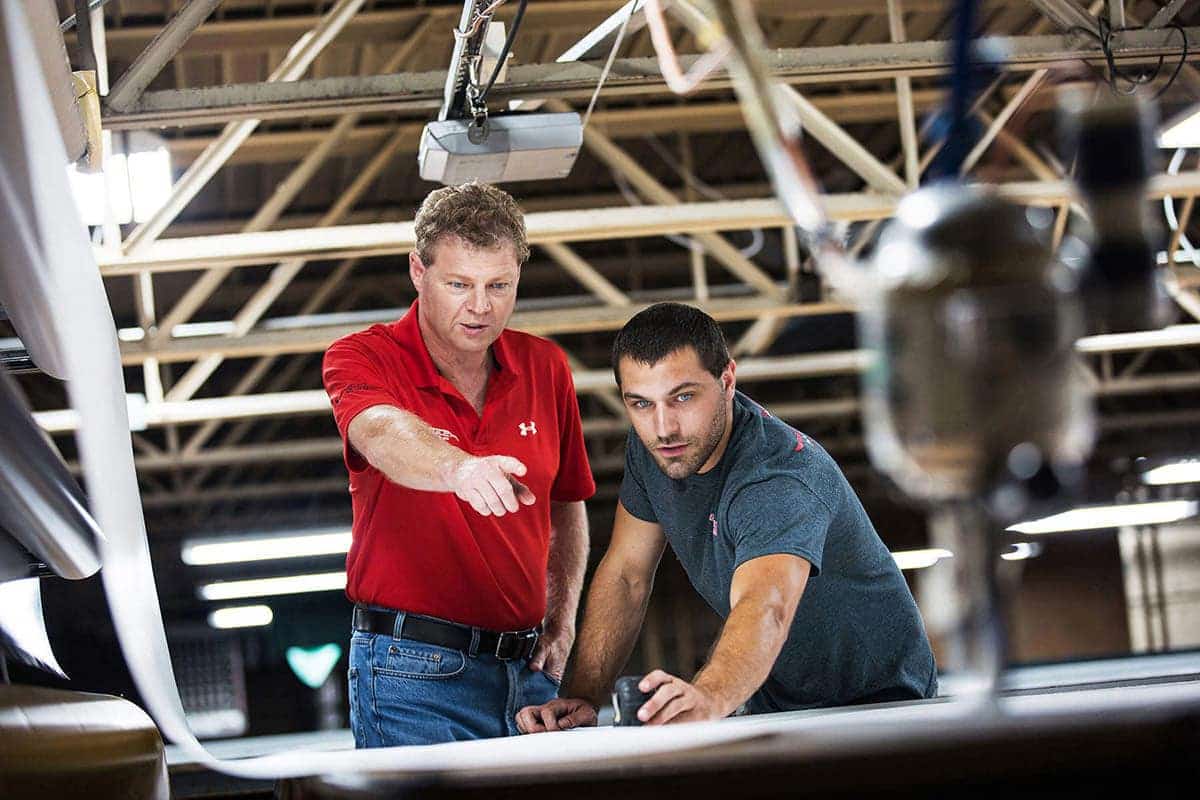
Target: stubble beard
[686,465]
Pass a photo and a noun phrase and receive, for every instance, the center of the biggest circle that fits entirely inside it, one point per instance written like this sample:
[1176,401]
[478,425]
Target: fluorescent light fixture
[96,192]
[235,550]
[149,173]
[241,617]
[269,587]
[1022,550]
[920,559]
[1182,256]
[1171,336]
[1182,131]
[134,183]
[184,330]
[1093,517]
[1181,472]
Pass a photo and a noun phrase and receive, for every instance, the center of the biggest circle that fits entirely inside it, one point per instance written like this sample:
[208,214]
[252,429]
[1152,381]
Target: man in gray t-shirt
[771,536]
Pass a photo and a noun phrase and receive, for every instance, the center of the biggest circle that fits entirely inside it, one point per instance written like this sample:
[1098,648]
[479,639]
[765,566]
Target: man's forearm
[566,565]
[750,641]
[616,607]
[405,449]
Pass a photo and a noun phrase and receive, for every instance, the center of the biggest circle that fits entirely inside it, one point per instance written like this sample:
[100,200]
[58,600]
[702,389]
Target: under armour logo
[528,428]
[713,519]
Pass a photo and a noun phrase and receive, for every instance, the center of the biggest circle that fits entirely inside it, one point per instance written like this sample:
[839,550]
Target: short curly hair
[479,214]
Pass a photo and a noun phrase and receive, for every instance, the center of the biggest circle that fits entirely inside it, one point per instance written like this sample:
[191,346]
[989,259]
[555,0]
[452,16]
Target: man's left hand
[675,700]
[550,655]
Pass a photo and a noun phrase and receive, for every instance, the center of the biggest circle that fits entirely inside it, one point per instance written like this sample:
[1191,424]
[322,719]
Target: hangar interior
[292,130]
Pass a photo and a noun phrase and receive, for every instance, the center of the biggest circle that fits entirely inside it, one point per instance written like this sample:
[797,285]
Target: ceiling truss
[292,120]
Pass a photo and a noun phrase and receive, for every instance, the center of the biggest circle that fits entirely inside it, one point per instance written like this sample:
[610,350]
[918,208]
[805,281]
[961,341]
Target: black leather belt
[504,646]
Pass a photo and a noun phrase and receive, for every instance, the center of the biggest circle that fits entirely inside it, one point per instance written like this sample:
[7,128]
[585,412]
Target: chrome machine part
[972,400]
[972,328]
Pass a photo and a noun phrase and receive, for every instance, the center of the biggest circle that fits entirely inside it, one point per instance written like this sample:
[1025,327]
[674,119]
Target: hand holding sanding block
[627,698]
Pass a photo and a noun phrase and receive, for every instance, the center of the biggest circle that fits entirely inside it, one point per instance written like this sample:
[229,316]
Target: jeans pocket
[408,659]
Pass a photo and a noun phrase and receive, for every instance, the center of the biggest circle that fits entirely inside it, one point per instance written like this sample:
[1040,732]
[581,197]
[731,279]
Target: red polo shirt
[429,552]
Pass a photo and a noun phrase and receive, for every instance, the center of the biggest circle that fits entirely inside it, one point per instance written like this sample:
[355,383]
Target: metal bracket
[468,43]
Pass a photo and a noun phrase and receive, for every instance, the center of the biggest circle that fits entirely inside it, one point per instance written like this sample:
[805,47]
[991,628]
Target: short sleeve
[574,480]
[633,489]
[354,382]
[779,516]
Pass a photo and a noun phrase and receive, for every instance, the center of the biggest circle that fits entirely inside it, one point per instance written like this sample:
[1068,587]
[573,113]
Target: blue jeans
[408,692]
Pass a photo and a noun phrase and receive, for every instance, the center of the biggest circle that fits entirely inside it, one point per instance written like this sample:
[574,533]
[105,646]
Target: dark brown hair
[662,329]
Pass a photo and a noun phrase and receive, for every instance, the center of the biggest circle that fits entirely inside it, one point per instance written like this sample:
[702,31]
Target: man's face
[467,295]
[678,409]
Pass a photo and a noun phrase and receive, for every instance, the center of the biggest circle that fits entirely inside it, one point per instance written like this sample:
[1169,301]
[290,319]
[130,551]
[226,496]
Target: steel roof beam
[629,76]
[388,238]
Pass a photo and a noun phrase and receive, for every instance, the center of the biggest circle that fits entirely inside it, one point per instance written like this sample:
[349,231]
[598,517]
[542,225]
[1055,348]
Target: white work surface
[825,730]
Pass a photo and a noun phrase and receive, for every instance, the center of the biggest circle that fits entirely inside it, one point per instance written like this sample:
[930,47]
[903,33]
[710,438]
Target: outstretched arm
[409,453]
[763,598]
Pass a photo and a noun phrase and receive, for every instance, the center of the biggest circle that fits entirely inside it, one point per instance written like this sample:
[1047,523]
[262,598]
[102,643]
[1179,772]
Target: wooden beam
[562,226]
[542,323]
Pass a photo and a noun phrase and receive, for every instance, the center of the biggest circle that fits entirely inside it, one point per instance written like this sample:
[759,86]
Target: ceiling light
[102,192]
[267,587]
[1181,472]
[920,559]
[241,617]
[134,183]
[238,549]
[1182,131]
[1171,336]
[1094,517]
[1022,550]
[149,173]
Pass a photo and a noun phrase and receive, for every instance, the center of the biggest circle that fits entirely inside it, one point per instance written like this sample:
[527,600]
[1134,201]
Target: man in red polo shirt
[467,479]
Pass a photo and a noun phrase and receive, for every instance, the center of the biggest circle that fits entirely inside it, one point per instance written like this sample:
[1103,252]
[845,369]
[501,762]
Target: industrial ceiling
[296,185]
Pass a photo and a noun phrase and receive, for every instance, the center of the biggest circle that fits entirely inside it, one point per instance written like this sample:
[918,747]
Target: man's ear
[416,270]
[729,378]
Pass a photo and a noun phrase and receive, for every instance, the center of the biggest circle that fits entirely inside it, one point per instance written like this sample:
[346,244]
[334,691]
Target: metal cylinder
[971,328]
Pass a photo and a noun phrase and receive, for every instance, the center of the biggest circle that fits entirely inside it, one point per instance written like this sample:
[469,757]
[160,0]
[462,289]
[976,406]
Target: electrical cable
[486,14]
[1178,66]
[712,193]
[958,132]
[508,43]
[757,239]
[612,54]
[1134,80]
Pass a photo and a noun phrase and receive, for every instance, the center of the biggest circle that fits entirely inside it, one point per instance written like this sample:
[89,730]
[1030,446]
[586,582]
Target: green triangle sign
[312,665]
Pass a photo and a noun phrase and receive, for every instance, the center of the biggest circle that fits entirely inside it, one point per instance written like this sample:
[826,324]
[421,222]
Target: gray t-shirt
[857,635]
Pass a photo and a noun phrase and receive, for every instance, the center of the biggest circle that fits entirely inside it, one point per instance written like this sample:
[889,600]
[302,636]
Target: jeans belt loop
[473,650]
[398,628]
